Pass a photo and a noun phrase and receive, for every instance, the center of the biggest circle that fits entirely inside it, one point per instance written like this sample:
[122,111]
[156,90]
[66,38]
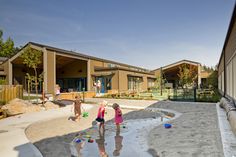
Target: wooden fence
[9,92]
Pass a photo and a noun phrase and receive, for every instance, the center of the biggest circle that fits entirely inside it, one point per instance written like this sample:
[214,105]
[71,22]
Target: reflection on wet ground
[130,141]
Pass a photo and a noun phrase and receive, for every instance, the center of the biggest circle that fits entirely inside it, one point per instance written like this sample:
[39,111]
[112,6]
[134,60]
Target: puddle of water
[131,141]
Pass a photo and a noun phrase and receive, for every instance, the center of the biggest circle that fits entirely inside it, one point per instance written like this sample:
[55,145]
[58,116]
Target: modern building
[227,62]
[77,72]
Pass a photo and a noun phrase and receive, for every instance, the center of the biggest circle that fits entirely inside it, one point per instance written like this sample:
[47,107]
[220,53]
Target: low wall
[113,91]
[71,95]
[230,112]
[9,92]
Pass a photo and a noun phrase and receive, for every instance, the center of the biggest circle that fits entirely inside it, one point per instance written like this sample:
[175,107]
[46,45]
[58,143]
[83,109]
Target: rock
[49,105]
[18,106]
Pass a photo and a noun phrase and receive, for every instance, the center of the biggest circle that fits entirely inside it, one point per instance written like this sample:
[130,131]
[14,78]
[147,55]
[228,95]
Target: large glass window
[230,79]
[72,84]
[134,83]
[223,81]
[219,82]
[105,83]
[234,76]
[151,82]
[227,79]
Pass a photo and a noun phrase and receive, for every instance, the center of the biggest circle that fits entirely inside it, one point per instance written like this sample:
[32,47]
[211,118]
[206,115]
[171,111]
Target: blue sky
[145,33]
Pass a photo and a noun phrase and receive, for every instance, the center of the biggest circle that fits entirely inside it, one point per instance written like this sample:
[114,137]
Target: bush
[2,81]
[214,97]
[2,103]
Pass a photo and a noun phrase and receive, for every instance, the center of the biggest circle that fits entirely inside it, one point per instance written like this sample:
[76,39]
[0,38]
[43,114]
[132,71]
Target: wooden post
[43,93]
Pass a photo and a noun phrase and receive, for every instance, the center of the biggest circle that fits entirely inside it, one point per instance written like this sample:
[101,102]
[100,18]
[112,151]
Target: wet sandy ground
[129,141]
[53,137]
[195,133]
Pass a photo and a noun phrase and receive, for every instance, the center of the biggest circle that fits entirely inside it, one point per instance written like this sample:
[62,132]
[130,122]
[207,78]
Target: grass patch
[213,98]
[30,97]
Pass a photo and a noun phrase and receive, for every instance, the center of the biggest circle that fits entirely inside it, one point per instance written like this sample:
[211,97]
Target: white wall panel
[234,77]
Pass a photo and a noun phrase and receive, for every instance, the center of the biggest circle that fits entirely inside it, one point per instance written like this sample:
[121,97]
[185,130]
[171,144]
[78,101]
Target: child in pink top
[118,116]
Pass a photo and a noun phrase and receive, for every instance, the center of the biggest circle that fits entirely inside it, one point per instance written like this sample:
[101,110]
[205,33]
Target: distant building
[227,62]
[170,73]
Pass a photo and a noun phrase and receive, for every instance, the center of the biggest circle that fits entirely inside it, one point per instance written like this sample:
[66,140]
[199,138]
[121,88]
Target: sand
[195,133]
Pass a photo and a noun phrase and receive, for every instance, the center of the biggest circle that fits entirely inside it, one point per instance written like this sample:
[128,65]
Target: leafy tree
[29,83]
[207,68]
[213,80]
[187,75]
[32,59]
[7,48]
[160,81]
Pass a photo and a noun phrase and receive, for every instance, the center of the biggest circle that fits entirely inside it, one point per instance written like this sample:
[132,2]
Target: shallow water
[131,141]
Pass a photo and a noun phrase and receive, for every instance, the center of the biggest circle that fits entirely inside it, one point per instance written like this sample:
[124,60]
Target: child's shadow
[72,118]
[118,144]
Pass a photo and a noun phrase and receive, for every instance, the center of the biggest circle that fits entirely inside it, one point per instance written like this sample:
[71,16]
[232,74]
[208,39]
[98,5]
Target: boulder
[18,106]
[49,105]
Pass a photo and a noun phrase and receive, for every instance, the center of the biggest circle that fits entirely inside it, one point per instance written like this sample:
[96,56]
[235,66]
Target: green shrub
[2,102]
[2,81]
[214,97]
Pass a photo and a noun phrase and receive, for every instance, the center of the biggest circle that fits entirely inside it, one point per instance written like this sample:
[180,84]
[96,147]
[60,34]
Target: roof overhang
[135,75]
[2,73]
[179,63]
[103,74]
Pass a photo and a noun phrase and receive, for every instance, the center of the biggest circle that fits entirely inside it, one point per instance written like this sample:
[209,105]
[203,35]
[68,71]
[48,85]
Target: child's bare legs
[77,115]
[117,127]
[101,125]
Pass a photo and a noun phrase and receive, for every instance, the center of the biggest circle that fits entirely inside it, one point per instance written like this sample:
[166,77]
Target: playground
[193,132]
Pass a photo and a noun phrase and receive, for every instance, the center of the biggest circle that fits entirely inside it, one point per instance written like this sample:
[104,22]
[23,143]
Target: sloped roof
[83,55]
[230,27]
[178,63]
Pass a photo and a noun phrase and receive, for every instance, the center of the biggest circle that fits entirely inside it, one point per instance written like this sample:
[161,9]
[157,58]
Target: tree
[32,59]
[160,81]
[213,80]
[187,75]
[7,48]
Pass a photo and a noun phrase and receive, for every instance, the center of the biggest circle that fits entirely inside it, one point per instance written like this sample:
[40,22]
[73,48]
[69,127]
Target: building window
[234,76]
[106,82]
[220,82]
[227,80]
[231,78]
[151,82]
[223,81]
[134,83]
[72,84]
